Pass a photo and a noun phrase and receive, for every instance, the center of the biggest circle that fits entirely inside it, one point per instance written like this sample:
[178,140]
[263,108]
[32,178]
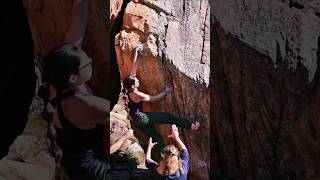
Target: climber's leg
[165,118]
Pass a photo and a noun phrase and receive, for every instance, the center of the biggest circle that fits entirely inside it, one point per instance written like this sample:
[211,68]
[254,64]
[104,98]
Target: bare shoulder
[141,96]
[85,111]
[90,101]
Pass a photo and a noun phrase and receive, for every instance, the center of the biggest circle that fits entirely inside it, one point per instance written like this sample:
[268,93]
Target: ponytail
[169,165]
[127,84]
[125,98]
[55,151]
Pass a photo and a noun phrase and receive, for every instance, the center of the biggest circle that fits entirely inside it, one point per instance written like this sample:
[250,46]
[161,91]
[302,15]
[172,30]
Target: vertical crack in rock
[115,28]
[204,36]
[155,7]
[316,80]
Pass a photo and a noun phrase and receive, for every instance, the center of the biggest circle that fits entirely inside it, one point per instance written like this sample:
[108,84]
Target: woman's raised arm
[134,65]
[80,11]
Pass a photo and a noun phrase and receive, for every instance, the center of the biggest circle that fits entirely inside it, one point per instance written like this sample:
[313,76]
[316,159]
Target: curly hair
[171,161]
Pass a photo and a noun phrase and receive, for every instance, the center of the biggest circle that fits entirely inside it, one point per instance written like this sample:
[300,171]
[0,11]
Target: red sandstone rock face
[49,22]
[176,53]
[265,119]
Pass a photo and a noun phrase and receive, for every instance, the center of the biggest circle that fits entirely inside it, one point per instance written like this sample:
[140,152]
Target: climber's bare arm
[134,65]
[80,11]
[140,96]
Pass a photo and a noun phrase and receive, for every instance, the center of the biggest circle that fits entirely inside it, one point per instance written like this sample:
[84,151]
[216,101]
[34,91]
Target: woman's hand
[167,91]
[80,13]
[175,132]
[151,144]
[139,48]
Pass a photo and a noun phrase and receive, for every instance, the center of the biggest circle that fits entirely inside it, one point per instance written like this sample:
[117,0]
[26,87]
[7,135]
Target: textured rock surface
[265,89]
[293,25]
[176,39]
[49,21]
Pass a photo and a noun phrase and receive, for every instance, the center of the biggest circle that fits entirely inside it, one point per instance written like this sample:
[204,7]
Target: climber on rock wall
[80,118]
[174,165]
[145,121]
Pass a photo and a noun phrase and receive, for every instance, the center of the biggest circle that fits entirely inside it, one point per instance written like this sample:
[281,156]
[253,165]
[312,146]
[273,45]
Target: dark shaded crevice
[218,82]
[316,79]
[204,36]
[18,79]
[295,4]
[116,28]
[155,8]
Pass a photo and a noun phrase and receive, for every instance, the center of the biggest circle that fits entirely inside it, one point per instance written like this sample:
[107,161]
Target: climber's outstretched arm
[134,65]
[140,96]
[80,11]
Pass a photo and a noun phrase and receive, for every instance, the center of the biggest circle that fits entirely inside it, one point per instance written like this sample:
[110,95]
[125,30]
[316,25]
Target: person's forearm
[157,97]
[148,154]
[180,143]
[114,147]
[79,19]
[134,66]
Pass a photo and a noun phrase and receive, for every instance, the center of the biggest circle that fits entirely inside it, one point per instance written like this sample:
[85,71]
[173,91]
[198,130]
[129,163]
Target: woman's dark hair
[127,87]
[57,66]
[128,82]
[60,63]
[55,150]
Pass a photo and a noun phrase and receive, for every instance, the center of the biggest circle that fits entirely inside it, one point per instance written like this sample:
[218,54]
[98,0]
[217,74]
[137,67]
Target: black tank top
[72,139]
[135,108]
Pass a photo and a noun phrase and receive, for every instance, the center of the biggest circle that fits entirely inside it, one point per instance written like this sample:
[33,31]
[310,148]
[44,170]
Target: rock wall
[176,53]
[265,89]
[290,26]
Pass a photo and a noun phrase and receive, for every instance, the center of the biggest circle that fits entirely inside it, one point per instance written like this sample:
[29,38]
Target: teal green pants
[146,121]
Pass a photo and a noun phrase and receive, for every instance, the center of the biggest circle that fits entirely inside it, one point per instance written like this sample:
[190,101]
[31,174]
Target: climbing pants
[146,121]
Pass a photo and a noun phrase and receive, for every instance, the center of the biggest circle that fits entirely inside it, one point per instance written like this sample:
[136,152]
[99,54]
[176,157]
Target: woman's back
[134,107]
[83,149]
